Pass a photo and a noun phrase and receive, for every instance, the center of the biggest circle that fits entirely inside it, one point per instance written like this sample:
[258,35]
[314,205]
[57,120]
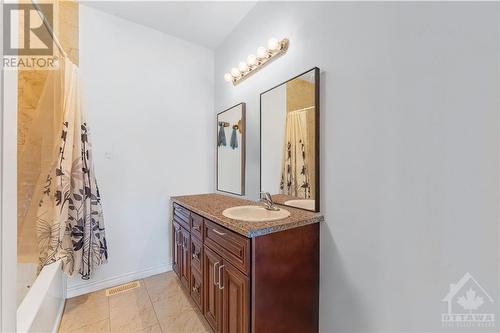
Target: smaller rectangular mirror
[289,141]
[231,150]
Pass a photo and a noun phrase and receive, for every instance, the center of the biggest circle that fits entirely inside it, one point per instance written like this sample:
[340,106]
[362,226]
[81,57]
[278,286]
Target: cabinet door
[185,258]
[235,300]
[197,288]
[212,300]
[176,249]
[196,254]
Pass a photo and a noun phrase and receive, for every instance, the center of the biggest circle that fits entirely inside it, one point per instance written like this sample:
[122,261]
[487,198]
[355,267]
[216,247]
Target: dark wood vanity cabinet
[268,283]
[197,288]
[235,299]
[185,271]
[182,242]
[227,302]
[212,263]
[212,307]
[176,248]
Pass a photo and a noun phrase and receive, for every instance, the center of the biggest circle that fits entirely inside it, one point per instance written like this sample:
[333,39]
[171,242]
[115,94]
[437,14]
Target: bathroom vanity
[247,276]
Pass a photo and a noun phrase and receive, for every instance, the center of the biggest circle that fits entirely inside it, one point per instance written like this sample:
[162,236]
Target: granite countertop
[212,205]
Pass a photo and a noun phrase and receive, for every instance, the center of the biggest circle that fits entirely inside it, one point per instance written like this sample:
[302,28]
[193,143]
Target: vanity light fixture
[275,48]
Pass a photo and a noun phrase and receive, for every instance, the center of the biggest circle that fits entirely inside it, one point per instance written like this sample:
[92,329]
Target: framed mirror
[231,150]
[289,141]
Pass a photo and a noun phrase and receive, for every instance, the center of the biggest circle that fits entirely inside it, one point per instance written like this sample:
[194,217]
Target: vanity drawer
[196,253]
[197,288]
[181,210]
[182,216]
[196,225]
[230,245]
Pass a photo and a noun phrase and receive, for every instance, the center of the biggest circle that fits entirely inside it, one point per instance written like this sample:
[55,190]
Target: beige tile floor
[159,305]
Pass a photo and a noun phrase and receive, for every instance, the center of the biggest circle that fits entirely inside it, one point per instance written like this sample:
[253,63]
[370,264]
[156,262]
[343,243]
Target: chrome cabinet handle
[215,270]
[193,251]
[221,285]
[218,232]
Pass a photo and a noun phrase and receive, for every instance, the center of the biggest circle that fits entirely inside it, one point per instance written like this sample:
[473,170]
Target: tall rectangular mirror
[231,150]
[289,161]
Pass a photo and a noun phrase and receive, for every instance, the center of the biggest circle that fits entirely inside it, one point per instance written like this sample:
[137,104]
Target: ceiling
[205,23]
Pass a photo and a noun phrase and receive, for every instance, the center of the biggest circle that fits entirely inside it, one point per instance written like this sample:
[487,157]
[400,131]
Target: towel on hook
[221,139]
[234,138]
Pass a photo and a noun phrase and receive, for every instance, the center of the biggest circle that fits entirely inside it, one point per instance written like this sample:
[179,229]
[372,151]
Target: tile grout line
[154,310]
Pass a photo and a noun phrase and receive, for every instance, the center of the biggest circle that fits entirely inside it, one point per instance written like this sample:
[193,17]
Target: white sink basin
[302,203]
[255,214]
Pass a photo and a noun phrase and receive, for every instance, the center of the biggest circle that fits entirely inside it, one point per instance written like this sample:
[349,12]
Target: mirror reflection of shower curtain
[295,173]
[57,179]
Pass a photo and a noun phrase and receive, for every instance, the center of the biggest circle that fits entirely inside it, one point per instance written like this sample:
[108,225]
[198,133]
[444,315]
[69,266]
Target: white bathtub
[26,276]
[42,307]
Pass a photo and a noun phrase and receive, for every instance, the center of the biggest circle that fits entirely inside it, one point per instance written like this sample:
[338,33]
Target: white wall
[409,144]
[229,159]
[149,100]
[273,133]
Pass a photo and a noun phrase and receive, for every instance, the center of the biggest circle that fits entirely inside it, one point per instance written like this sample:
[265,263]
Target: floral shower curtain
[295,179]
[65,201]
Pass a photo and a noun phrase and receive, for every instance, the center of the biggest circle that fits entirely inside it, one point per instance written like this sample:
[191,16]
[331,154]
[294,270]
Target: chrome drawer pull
[221,286]
[218,232]
[215,270]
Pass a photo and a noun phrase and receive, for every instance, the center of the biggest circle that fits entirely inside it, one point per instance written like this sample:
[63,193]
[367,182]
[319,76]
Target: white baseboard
[88,287]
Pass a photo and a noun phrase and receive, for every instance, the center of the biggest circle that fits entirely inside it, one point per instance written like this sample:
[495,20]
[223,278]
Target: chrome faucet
[267,200]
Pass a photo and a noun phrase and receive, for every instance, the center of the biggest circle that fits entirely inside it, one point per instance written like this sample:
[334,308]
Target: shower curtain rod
[49,28]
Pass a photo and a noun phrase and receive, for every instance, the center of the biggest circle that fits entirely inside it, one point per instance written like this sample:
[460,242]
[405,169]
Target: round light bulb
[261,52]
[228,77]
[235,72]
[243,67]
[251,60]
[273,44]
